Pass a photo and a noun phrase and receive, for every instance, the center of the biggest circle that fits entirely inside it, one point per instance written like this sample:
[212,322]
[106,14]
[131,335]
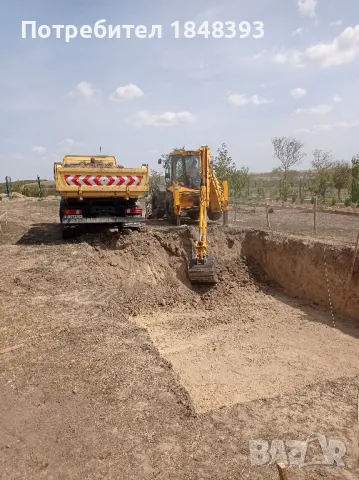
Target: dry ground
[296,221]
[125,371]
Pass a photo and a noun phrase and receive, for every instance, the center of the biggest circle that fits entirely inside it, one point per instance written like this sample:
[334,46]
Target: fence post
[267,215]
[283,474]
[40,187]
[315,213]
[8,187]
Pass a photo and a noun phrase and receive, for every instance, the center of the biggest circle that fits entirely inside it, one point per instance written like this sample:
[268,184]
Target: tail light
[134,211]
[72,212]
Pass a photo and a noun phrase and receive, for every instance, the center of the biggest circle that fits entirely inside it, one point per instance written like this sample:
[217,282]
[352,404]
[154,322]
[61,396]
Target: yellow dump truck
[96,189]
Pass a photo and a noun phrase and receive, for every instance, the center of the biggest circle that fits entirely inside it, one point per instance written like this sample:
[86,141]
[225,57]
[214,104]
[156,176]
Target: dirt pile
[150,269]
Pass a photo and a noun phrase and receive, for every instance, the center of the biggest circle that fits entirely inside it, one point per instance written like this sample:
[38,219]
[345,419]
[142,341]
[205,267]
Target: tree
[323,163]
[238,181]
[223,164]
[156,179]
[355,179]
[165,157]
[322,159]
[341,175]
[289,152]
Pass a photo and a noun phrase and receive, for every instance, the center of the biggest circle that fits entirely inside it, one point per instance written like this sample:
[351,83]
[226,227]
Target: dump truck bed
[80,176]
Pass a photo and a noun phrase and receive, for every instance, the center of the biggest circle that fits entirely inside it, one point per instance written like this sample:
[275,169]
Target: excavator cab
[183,168]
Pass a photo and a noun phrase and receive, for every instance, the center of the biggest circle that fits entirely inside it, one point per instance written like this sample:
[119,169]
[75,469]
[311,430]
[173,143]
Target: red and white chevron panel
[101,180]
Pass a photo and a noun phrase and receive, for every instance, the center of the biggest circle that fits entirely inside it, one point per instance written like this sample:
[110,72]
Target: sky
[138,98]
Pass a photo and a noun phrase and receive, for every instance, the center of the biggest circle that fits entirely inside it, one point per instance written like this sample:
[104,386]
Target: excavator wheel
[202,273]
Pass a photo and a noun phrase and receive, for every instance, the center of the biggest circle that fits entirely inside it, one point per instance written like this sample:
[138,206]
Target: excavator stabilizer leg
[202,272]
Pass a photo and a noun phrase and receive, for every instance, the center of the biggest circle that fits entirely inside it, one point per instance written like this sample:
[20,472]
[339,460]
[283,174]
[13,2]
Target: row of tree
[327,171]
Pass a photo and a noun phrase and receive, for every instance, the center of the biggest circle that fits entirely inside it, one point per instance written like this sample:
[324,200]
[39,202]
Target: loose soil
[123,370]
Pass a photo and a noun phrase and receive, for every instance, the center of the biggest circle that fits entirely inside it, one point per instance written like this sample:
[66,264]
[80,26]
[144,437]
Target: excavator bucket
[202,272]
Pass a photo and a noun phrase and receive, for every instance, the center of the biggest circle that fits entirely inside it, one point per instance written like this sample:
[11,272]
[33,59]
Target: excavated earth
[112,365]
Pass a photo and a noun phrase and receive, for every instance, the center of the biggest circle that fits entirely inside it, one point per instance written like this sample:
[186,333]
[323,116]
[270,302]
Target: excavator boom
[202,267]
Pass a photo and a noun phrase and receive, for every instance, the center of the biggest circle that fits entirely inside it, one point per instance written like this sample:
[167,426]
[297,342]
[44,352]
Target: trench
[266,329]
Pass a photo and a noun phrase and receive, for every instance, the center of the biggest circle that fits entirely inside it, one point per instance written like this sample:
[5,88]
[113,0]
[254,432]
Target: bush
[30,190]
[347,202]
[333,202]
[17,186]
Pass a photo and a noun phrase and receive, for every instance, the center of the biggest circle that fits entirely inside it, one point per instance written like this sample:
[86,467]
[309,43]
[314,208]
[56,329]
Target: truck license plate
[72,216]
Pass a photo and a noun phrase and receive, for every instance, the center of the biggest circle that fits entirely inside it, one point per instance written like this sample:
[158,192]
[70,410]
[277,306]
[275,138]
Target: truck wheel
[67,232]
[62,207]
[157,210]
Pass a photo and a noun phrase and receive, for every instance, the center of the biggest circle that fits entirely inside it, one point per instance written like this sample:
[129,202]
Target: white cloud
[318,110]
[240,100]
[167,119]
[292,58]
[298,93]
[343,49]
[337,99]
[299,31]
[307,7]
[39,149]
[128,92]
[336,24]
[328,127]
[86,91]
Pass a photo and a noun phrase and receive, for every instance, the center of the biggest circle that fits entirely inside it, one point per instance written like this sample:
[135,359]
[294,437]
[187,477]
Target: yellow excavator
[192,190]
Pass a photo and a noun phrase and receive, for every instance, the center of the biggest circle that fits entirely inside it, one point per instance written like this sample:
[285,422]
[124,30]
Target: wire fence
[300,190]
[27,188]
[332,223]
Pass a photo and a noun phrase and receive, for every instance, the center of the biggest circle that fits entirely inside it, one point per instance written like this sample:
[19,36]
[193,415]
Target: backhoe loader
[193,190]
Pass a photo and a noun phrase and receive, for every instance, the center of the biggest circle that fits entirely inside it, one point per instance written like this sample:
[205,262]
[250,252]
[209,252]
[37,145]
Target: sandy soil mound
[151,270]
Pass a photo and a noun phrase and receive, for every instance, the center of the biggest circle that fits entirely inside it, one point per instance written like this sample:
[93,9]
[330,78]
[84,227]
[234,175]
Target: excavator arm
[201,268]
